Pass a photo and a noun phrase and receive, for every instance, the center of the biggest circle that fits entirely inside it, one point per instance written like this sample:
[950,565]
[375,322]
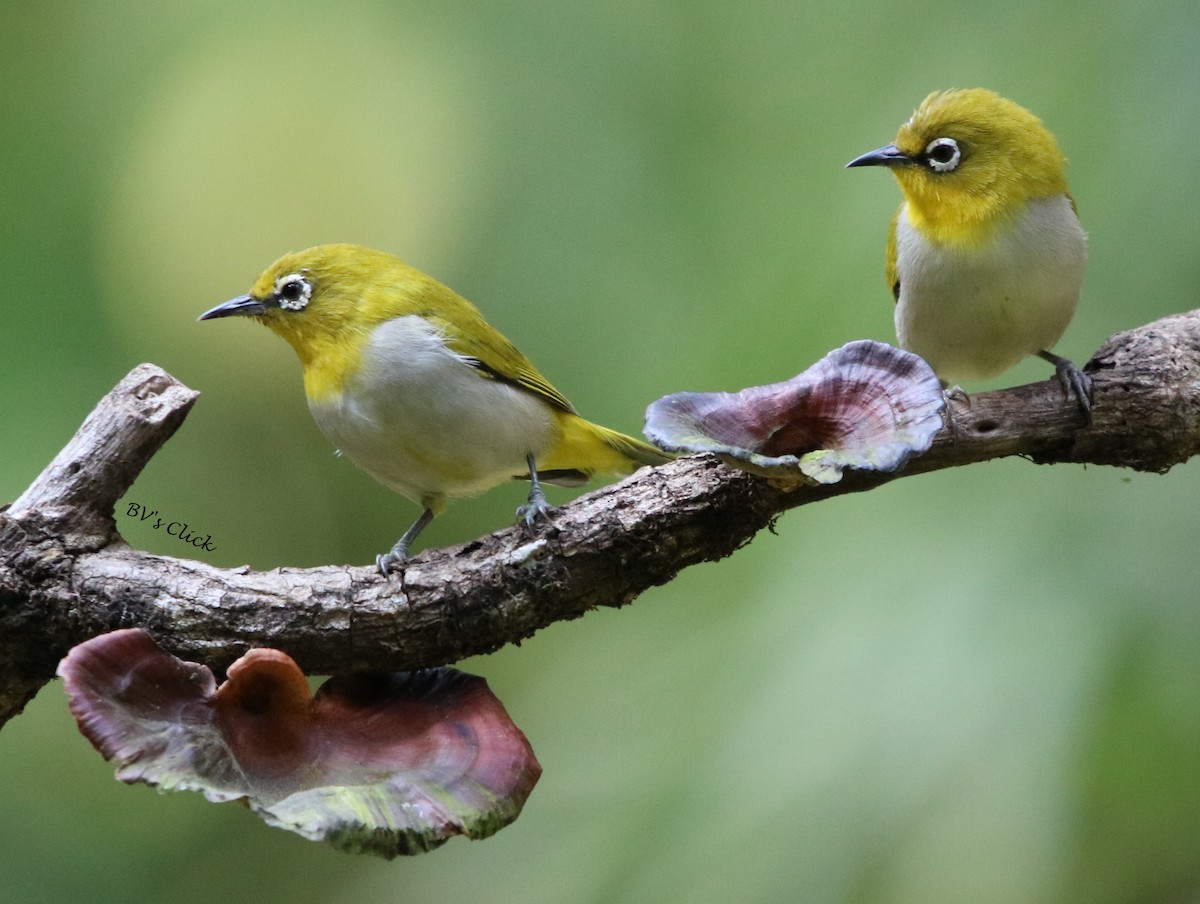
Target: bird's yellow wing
[585,448]
[469,335]
[893,275]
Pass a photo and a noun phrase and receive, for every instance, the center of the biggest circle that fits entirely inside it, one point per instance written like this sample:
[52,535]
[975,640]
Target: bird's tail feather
[634,449]
[587,449]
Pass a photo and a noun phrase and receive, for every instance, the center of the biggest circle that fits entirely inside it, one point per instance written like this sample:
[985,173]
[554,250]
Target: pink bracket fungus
[385,763]
[866,406]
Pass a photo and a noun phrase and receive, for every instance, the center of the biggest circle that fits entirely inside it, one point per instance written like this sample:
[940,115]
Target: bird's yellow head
[326,300]
[967,161]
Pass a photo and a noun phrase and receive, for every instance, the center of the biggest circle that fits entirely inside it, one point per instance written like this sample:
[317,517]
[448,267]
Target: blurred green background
[979,685]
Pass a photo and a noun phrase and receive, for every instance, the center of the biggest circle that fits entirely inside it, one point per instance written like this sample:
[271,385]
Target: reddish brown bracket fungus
[866,405]
[386,763]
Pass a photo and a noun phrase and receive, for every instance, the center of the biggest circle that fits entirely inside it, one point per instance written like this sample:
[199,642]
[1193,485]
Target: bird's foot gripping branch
[66,577]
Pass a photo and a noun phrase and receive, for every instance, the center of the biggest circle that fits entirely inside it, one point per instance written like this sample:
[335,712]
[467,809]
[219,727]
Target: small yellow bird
[409,381]
[985,255]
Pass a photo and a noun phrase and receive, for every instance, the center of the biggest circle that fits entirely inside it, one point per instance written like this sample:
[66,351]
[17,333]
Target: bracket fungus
[384,763]
[867,406]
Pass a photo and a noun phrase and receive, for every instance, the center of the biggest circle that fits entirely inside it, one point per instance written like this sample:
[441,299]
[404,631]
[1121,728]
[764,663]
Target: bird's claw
[1075,383]
[956,393]
[953,395]
[385,562]
[537,506]
[533,511]
[398,554]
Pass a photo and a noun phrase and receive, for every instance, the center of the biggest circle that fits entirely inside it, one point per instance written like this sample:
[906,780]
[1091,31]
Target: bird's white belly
[973,313]
[425,423]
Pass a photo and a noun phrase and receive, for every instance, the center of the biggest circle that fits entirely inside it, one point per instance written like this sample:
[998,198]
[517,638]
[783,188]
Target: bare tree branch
[66,575]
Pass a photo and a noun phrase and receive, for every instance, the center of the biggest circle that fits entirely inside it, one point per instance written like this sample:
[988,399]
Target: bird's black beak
[242,306]
[889,155]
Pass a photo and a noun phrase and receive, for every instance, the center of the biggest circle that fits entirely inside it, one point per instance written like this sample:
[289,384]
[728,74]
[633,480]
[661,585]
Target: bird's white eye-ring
[293,291]
[942,155]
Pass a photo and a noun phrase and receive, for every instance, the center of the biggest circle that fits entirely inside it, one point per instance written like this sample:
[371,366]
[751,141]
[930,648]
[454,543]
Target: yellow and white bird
[410,383]
[985,256]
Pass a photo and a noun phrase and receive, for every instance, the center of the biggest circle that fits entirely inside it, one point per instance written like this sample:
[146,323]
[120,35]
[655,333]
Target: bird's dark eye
[942,155]
[293,291]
